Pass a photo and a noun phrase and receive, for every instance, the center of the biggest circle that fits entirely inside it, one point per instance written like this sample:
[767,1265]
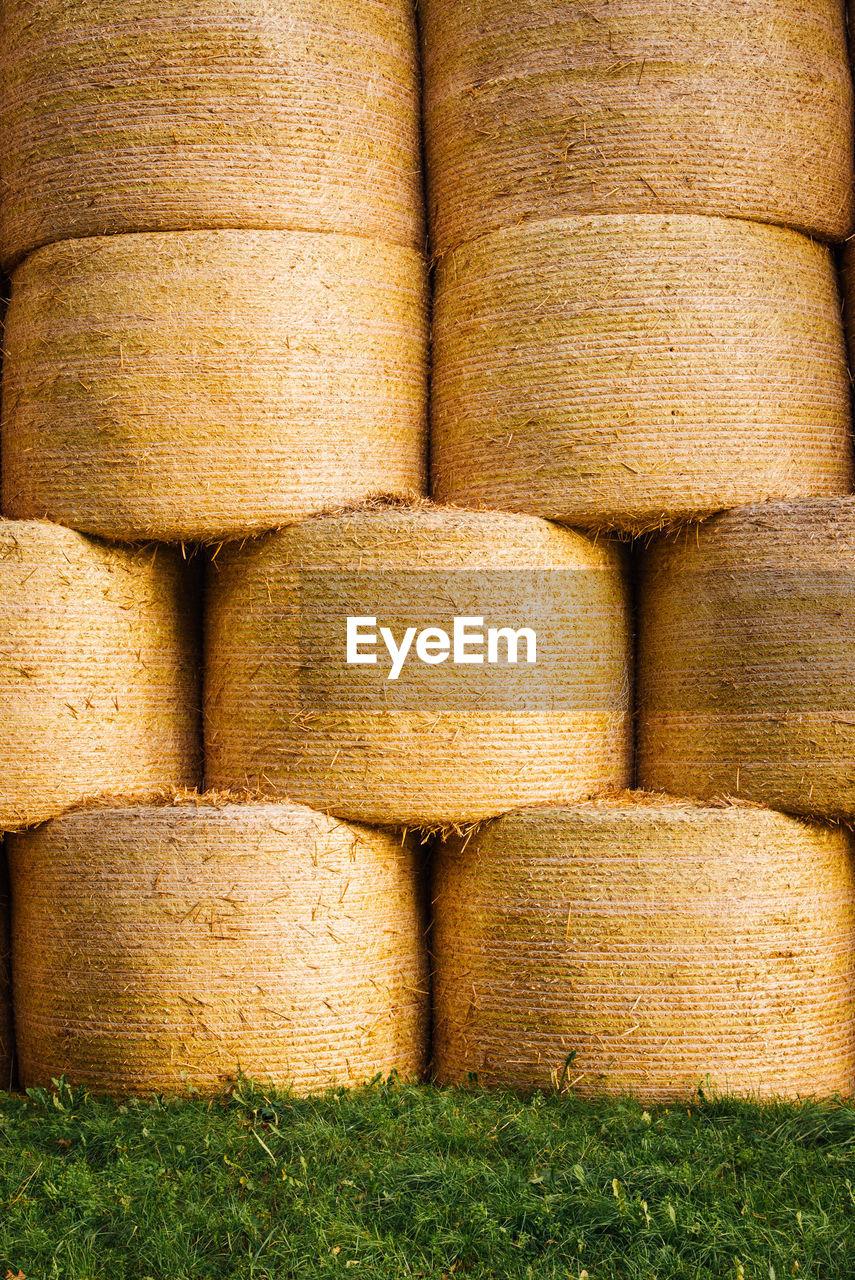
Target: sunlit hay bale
[747,662]
[164,116]
[166,948]
[7,1044]
[98,672]
[444,742]
[207,384]
[647,947]
[735,107]
[630,370]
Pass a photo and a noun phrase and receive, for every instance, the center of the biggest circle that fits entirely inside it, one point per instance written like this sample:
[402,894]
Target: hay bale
[739,108]
[98,672]
[444,742]
[624,371]
[210,384]
[847,264]
[172,116]
[7,1044]
[667,945]
[156,948]
[747,663]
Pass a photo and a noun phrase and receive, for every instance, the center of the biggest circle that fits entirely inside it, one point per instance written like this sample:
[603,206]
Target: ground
[396,1180]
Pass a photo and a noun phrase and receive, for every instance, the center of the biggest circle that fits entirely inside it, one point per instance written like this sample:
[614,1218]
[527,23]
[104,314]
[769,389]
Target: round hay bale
[747,661]
[624,371]
[169,116]
[208,384]
[160,948]
[738,108]
[7,1044]
[98,672]
[665,945]
[443,741]
[847,263]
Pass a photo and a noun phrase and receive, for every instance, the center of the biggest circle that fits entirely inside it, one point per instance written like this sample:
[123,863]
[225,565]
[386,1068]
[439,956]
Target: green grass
[397,1181]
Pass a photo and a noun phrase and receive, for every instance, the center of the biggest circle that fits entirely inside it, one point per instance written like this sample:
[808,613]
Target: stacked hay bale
[235,115]
[619,342]
[198,385]
[648,945]
[213,221]
[158,947]
[445,738]
[98,672]
[746,664]
[99,687]
[628,106]
[626,370]
[405,730]
[848,274]
[637,321]
[217,329]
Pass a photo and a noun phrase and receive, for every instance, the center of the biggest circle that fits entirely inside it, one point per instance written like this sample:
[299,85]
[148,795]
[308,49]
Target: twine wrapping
[160,948]
[666,945]
[98,672]
[7,1045]
[168,116]
[747,664]
[543,110]
[208,384]
[624,371]
[443,744]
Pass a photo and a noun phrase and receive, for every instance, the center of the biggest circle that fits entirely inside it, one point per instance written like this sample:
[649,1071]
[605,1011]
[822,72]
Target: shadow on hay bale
[442,741]
[624,371]
[747,665]
[209,384]
[172,116]
[739,107]
[649,945]
[161,948]
[98,671]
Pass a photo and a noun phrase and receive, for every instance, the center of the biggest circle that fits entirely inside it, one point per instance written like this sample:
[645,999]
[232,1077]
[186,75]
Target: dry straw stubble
[166,116]
[208,384]
[443,743]
[98,672]
[156,948]
[747,663]
[551,108]
[629,370]
[667,945]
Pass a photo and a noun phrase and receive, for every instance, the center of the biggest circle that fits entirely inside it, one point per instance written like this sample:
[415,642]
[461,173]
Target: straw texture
[166,116]
[540,110]
[159,948]
[747,663]
[207,384]
[847,264]
[666,945]
[98,662]
[628,370]
[285,714]
[7,1049]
